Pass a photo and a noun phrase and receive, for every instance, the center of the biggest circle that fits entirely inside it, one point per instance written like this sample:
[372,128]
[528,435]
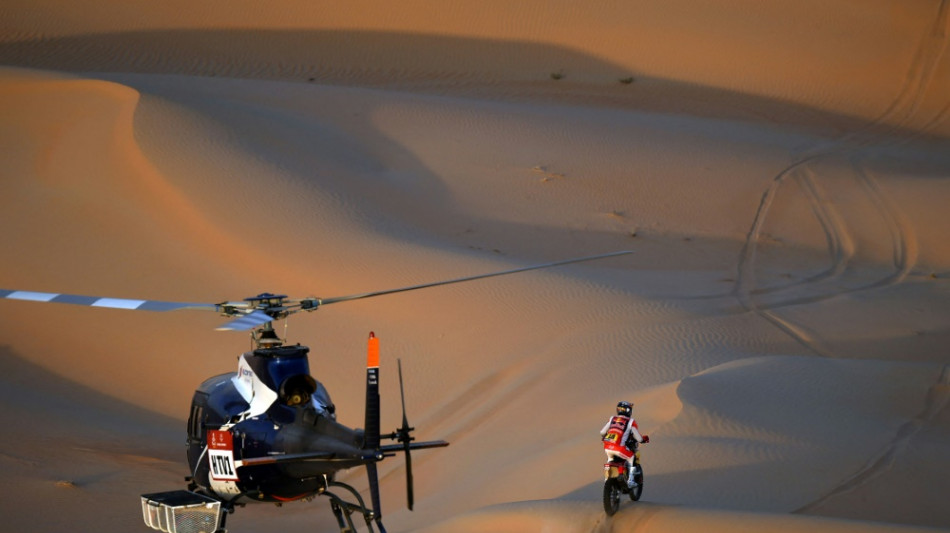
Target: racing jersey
[618,429]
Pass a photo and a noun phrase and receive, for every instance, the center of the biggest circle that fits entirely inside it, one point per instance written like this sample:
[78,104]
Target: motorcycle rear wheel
[612,493]
[638,477]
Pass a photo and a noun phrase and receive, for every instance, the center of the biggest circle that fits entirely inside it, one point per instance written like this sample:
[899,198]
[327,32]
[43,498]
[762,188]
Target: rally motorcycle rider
[621,436]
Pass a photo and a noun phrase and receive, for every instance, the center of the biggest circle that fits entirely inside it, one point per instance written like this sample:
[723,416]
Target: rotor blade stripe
[31,296]
[118,303]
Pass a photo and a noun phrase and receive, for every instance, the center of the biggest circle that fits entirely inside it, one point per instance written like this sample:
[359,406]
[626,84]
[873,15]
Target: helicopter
[268,432]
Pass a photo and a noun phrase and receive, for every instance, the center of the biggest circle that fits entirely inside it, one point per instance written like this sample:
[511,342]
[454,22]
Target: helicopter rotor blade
[99,301]
[246,322]
[261,309]
[225,308]
[325,301]
[248,318]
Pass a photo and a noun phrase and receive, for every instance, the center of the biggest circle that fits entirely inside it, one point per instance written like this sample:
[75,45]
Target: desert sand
[780,171]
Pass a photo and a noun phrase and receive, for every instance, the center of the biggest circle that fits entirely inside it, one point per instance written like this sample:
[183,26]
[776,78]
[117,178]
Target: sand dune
[843,57]
[780,173]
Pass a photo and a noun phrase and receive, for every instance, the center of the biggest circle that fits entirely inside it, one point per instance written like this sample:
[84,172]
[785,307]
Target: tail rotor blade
[410,492]
[405,437]
[402,394]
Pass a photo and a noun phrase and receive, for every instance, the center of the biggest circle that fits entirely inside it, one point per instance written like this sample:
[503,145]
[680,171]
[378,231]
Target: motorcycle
[615,481]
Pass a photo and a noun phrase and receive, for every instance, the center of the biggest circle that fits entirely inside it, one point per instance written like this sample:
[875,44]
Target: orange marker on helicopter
[372,351]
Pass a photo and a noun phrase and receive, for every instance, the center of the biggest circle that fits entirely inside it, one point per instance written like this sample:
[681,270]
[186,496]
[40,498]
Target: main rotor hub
[266,300]
[266,337]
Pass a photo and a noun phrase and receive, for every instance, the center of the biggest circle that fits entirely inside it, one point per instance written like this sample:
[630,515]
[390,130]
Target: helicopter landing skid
[343,510]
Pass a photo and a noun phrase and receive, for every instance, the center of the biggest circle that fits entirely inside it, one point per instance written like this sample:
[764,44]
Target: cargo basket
[181,511]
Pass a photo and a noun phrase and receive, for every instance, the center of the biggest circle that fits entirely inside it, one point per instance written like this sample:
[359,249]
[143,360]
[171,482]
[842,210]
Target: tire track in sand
[904,108]
[899,113]
[937,399]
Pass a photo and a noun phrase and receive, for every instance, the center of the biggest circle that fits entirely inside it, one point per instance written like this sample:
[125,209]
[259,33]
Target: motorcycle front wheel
[638,478]
[612,494]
